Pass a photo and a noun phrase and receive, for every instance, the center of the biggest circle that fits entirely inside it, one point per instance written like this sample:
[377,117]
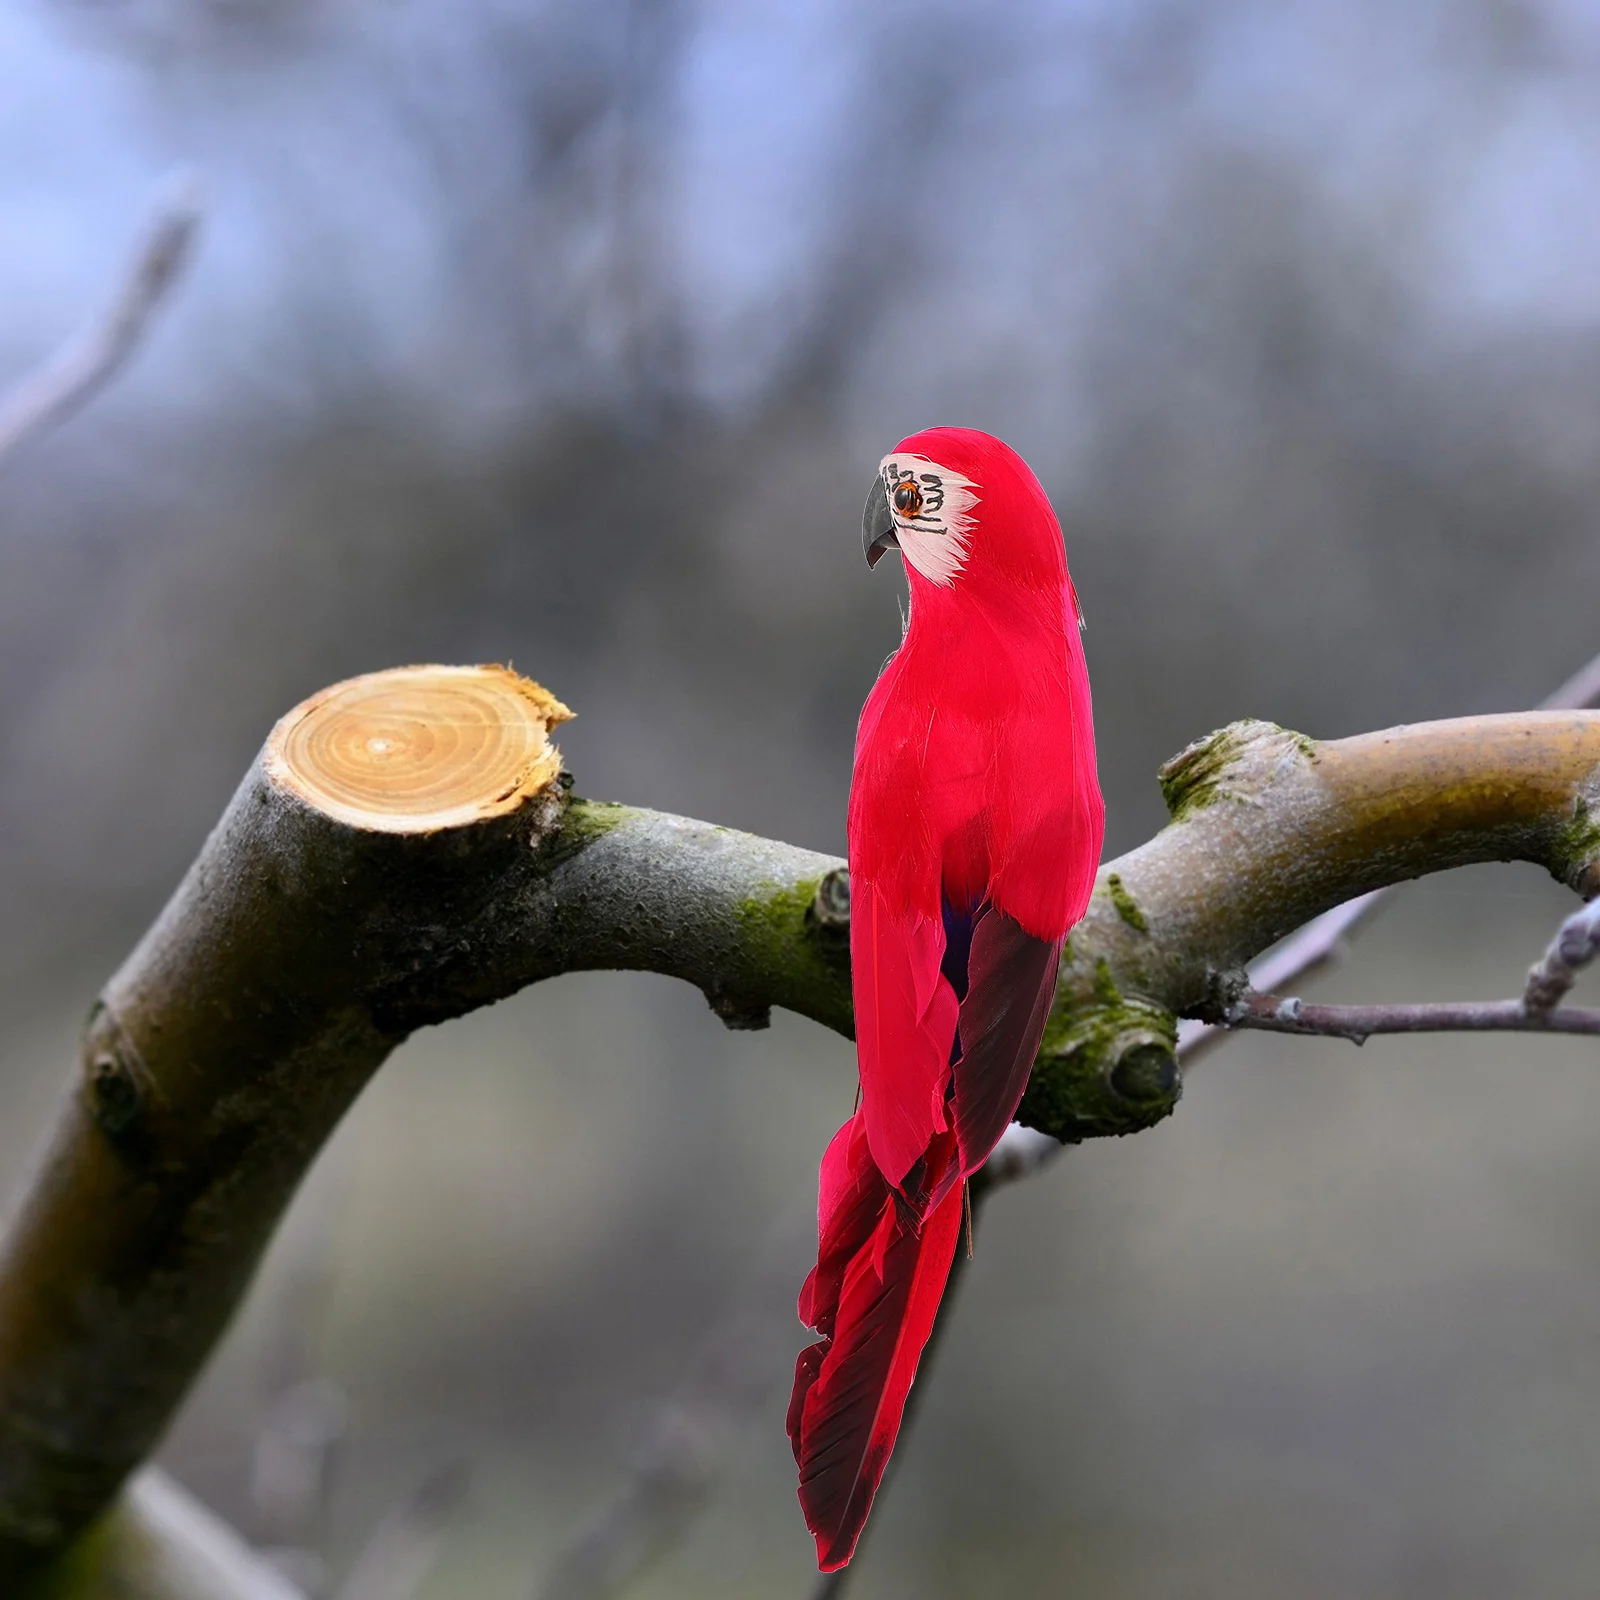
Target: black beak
[877,525]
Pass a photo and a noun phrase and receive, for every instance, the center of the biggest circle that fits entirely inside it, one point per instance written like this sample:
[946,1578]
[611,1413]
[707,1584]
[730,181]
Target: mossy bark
[302,947]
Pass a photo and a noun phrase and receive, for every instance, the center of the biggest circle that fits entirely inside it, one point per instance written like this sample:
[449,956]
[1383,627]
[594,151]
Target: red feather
[974,797]
[873,1297]
[906,1017]
[1011,979]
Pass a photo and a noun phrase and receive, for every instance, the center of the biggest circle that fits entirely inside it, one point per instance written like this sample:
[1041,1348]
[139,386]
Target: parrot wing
[873,1297]
[905,1021]
[1011,981]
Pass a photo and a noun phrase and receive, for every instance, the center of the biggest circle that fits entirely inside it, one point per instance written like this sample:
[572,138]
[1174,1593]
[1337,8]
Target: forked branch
[404,851]
[1576,944]
[1324,937]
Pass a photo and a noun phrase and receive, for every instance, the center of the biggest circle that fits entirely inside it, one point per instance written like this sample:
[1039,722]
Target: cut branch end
[418,749]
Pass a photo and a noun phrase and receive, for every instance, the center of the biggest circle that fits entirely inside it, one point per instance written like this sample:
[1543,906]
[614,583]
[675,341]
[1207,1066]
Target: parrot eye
[931,508]
[907,498]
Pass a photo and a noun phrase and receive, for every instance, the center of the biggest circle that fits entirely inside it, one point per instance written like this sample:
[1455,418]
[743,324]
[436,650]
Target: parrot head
[959,506]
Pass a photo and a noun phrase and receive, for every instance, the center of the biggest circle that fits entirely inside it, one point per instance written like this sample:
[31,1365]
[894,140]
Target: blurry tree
[515,320]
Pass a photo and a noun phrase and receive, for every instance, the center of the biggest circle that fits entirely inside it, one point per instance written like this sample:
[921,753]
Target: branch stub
[418,749]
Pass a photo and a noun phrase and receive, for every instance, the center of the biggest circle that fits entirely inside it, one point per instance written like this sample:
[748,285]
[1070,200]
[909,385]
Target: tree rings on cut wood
[417,749]
[371,874]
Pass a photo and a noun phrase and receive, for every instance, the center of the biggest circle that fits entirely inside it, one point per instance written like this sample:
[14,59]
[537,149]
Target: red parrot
[974,834]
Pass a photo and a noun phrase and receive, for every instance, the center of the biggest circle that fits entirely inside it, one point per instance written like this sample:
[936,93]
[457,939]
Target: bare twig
[1323,939]
[663,1493]
[1270,1013]
[831,1584]
[46,397]
[1581,692]
[317,931]
[1022,1152]
[674,1473]
[305,1418]
[1321,942]
[291,1471]
[398,1558]
[1576,944]
[681,1456]
[159,1543]
[682,1450]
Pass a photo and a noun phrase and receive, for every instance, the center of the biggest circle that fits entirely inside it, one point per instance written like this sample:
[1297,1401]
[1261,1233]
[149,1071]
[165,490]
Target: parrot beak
[877,525]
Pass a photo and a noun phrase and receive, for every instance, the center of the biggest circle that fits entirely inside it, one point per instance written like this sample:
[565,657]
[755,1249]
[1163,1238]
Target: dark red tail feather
[873,1296]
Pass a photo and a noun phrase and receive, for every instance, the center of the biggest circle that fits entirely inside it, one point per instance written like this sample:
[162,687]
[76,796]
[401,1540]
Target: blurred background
[570,332]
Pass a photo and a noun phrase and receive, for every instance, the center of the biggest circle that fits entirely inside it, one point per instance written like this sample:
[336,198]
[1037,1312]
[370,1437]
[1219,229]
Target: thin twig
[46,397]
[1323,939]
[683,1449]
[831,1585]
[398,1558]
[1271,1013]
[1576,944]
[291,1474]
[305,1421]
[681,1453]
[1022,1152]
[1581,692]
[158,1542]
[220,998]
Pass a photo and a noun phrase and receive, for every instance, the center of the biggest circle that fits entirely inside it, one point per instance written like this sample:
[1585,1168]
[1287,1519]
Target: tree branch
[159,1543]
[1270,827]
[403,852]
[677,1455]
[83,366]
[397,1559]
[1270,1013]
[1308,950]
[1023,1152]
[1576,944]
[1321,940]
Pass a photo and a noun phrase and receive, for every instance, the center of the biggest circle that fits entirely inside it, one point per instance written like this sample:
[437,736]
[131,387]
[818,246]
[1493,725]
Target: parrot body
[974,833]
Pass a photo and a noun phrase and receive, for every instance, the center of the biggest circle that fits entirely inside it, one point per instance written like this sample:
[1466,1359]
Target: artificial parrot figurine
[974,834]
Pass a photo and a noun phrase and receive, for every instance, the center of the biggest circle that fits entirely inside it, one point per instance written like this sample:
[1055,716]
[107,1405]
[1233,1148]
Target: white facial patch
[932,509]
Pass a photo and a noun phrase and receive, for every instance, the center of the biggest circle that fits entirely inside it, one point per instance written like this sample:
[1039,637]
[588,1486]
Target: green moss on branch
[1127,906]
[1106,1067]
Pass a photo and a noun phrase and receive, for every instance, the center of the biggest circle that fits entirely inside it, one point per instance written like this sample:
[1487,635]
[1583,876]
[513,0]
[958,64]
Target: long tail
[872,1297]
